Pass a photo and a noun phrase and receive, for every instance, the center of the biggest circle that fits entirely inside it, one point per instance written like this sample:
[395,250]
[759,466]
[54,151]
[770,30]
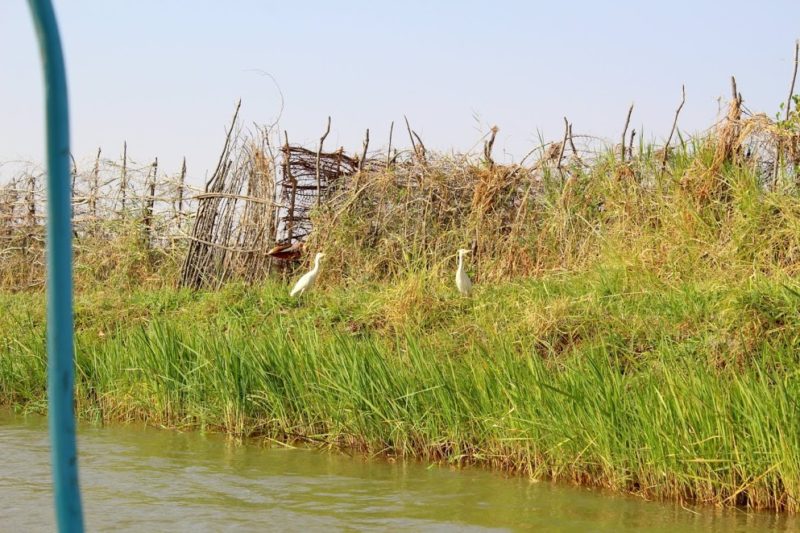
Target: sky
[164,75]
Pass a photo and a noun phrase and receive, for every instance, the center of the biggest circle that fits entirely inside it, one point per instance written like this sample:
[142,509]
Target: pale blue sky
[165,74]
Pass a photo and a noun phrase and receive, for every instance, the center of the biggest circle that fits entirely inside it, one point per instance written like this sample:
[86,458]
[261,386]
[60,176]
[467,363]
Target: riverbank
[634,324]
[610,377]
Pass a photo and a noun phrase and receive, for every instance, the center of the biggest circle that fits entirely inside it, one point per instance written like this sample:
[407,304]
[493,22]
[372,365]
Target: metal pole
[60,372]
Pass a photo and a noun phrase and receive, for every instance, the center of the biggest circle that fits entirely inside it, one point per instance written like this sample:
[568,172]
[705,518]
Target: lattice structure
[302,187]
[111,198]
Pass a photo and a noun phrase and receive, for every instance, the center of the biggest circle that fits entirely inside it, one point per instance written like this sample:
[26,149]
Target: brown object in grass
[287,251]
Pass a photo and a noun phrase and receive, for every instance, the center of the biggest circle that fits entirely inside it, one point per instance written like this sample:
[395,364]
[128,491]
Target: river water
[136,478]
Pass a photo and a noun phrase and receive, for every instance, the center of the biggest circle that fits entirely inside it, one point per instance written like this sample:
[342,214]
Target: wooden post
[794,78]
[147,220]
[319,155]
[572,143]
[625,133]
[672,130]
[487,147]
[123,182]
[31,201]
[630,146]
[389,150]
[95,187]
[561,150]
[411,136]
[72,196]
[180,191]
[364,153]
[31,215]
[779,149]
[287,170]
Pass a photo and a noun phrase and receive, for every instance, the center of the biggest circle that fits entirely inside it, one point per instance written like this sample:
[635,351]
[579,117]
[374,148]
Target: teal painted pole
[60,349]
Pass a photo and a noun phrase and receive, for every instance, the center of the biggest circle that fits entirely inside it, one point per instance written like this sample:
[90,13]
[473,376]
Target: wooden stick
[411,136]
[363,153]
[123,184]
[736,95]
[319,155]
[488,145]
[231,196]
[389,150]
[779,147]
[423,151]
[561,148]
[31,202]
[288,172]
[95,182]
[224,152]
[74,173]
[794,78]
[625,132]
[180,191]
[672,130]
[630,146]
[151,200]
[572,146]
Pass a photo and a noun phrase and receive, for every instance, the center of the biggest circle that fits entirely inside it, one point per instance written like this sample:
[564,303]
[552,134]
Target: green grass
[611,377]
[635,325]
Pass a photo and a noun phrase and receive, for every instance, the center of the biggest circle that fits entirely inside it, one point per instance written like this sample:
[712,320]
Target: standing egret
[462,280]
[305,282]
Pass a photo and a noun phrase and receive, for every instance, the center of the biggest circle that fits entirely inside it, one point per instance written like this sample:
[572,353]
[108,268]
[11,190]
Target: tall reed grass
[634,325]
[612,378]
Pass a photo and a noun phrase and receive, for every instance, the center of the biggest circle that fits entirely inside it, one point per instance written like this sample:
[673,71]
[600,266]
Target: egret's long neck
[316,264]
[460,262]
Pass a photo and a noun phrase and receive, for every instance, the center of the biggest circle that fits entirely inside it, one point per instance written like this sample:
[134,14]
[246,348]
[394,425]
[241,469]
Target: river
[136,478]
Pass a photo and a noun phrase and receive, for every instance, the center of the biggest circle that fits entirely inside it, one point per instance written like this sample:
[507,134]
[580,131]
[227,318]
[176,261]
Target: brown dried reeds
[120,211]
[379,215]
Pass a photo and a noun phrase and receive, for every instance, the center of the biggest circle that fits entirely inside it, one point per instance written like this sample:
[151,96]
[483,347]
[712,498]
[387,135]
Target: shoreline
[601,397]
[260,441]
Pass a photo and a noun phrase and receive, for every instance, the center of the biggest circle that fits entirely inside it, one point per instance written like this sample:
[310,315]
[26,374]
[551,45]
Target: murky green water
[144,479]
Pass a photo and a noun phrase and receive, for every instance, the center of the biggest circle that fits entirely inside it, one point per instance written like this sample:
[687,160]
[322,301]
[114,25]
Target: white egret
[304,283]
[463,282]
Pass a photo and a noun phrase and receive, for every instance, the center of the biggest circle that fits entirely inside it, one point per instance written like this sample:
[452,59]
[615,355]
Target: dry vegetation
[727,197]
[634,326]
